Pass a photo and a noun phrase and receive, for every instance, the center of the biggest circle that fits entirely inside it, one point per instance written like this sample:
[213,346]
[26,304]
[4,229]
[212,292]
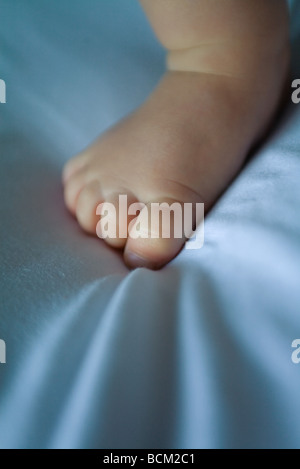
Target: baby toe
[156,236]
[86,207]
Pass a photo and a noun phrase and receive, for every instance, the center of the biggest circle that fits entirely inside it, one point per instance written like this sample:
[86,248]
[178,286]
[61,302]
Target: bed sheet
[197,355]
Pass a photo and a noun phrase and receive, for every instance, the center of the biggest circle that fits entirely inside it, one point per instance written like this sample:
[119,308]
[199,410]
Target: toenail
[134,261]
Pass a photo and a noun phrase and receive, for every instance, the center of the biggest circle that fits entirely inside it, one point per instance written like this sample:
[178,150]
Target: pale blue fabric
[197,355]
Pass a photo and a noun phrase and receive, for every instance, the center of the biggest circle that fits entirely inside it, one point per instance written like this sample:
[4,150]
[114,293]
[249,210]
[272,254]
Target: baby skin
[227,71]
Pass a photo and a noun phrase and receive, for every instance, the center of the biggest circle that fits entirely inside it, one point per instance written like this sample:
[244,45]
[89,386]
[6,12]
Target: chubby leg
[227,66]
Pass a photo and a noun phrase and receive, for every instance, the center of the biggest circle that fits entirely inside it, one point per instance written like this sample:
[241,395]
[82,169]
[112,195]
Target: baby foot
[185,144]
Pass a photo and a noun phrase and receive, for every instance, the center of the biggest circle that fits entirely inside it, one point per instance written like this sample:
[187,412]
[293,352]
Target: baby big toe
[161,237]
